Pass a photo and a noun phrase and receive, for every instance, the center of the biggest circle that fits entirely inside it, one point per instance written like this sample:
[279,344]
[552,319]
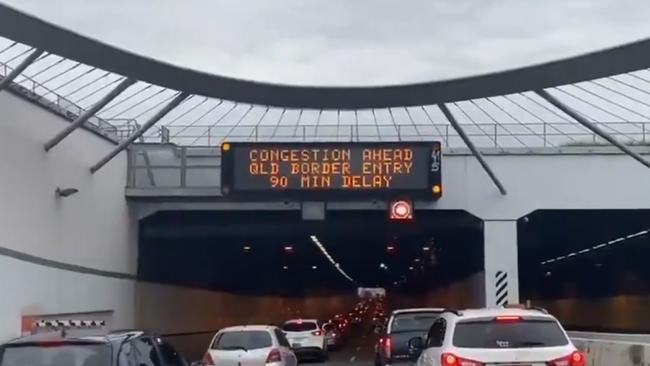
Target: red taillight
[207,360]
[508,319]
[317,333]
[388,344]
[574,359]
[450,359]
[274,356]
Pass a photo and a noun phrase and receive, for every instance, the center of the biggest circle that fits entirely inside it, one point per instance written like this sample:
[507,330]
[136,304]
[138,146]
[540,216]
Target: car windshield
[243,340]
[410,322]
[299,327]
[56,355]
[519,334]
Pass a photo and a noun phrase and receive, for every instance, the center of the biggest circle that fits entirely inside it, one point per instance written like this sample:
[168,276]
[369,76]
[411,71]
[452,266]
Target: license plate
[296,345]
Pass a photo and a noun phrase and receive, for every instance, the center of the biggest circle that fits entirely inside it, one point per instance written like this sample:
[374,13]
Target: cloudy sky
[351,42]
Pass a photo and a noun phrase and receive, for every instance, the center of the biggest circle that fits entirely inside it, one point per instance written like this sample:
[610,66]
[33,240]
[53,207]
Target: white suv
[306,338]
[503,336]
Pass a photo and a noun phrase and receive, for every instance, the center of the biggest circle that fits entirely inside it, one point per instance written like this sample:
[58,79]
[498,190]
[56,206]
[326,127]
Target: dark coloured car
[126,348]
[403,325]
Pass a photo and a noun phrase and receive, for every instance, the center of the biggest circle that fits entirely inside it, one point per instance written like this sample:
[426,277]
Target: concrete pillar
[501,262]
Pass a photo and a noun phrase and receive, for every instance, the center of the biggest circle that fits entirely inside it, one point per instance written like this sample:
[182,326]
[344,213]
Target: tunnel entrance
[278,253]
[588,267]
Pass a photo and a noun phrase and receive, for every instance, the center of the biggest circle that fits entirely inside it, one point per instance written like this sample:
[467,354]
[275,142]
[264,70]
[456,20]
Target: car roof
[57,336]
[241,328]
[301,321]
[418,310]
[494,312]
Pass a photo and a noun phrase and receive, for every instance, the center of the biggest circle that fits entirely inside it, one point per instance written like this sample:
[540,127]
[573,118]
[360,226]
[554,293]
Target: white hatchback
[250,345]
[497,336]
[306,338]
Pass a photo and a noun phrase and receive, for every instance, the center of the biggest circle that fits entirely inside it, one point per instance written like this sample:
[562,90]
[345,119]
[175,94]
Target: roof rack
[538,308]
[525,307]
[453,311]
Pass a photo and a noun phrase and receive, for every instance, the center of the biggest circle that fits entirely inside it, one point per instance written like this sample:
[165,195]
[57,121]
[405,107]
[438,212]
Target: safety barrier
[609,349]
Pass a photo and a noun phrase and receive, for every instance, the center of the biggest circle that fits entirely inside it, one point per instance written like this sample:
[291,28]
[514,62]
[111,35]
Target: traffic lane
[359,349]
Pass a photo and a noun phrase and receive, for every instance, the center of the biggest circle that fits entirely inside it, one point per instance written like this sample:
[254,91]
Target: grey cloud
[338,42]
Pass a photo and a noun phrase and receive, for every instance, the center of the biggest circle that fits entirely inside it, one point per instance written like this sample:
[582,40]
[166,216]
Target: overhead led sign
[331,170]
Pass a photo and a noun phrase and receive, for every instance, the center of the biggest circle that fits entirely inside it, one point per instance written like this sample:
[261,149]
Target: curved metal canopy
[43,35]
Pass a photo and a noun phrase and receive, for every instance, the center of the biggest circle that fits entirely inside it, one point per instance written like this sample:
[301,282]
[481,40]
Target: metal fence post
[644,129]
[304,133]
[544,132]
[209,136]
[496,137]
[183,167]
[399,133]
[447,135]
[131,168]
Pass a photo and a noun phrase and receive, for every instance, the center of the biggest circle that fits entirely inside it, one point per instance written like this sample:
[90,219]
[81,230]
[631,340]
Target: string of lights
[596,247]
[327,255]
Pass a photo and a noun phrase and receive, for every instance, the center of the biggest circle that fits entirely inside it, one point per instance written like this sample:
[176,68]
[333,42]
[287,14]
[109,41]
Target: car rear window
[243,340]
[517,334]
[411,322]
[59,354]
[299,327]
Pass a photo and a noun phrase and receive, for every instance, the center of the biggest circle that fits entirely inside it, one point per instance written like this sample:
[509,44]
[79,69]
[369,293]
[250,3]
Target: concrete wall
[91,229]
[466,293]
[627,313]
[170,309]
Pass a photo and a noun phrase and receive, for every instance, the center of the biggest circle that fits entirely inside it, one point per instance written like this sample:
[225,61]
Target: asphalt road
[359,350]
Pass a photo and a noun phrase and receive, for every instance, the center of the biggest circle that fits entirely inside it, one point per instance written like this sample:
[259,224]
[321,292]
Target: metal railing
[61,105]
[540,134]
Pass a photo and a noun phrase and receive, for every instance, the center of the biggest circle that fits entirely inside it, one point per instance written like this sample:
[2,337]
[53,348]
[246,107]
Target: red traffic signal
[401,210]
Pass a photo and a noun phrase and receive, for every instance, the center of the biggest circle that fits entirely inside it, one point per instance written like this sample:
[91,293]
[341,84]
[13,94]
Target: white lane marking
[353,358]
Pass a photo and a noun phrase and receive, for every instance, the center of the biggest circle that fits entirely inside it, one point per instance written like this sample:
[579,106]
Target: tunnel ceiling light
[411,268]
[336,265]
[246,248]
[596,247]
[426,249]
[285,267]
[314,267]
[390,248]
[416,260]
[288,248]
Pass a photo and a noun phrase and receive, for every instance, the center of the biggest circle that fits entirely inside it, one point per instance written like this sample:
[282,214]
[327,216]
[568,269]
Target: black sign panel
[332,170]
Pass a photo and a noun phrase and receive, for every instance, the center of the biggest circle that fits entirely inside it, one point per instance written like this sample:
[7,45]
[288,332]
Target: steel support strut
[89,113]
[152,121]
[477,154]
[595,129]
[4,82]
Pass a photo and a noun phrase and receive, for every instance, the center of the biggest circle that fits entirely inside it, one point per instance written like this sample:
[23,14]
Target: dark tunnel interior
[273,252]
[585,254]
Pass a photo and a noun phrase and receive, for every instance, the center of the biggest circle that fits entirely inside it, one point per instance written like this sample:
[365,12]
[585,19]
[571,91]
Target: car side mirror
[379,329]
[416,345]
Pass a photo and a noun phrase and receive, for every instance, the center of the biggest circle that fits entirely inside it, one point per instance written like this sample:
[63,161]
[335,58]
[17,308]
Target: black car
[393,345]
[124,348]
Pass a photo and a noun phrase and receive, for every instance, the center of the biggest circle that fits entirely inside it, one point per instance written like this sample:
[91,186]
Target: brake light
[207,360]
[508,319]
[388,344]
[574,359]
[274,356]
[317,333]
[450,359]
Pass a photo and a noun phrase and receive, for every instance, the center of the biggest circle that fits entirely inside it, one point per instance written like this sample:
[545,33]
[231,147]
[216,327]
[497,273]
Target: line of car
[512,335]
